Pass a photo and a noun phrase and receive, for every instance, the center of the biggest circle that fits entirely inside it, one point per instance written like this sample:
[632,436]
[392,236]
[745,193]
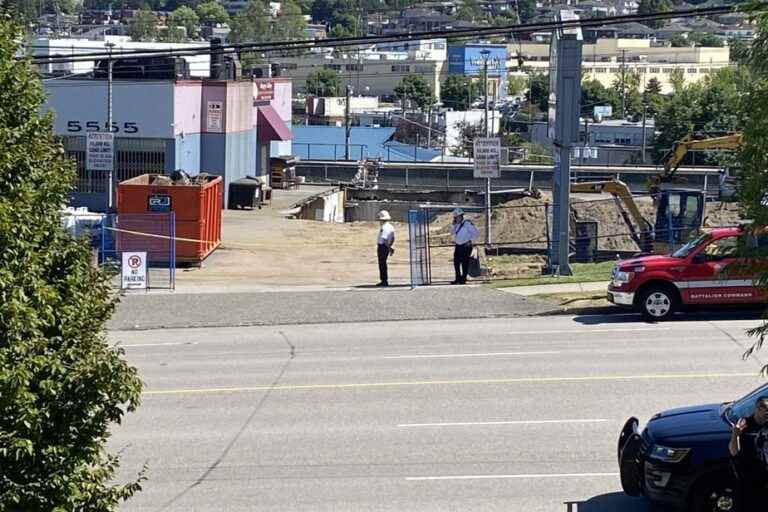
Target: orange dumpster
[196,205]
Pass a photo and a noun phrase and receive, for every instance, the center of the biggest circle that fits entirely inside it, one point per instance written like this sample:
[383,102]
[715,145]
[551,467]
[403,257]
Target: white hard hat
[384,215]
[457,212]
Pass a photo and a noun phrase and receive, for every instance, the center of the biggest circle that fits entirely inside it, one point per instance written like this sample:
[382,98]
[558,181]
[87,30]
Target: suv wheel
[658,303]
[715,495]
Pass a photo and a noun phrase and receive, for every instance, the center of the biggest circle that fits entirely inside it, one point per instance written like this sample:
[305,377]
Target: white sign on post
[487,155]
[134,270]
[215,116]
[100,151]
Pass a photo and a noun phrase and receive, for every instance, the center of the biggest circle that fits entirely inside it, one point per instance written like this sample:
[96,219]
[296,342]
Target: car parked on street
[708,270]
[681,457]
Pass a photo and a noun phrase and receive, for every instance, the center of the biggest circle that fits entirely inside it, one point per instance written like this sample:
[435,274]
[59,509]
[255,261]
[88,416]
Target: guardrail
[460,175]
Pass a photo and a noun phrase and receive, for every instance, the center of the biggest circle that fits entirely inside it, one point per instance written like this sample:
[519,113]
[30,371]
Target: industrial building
[607,59]
[229,128]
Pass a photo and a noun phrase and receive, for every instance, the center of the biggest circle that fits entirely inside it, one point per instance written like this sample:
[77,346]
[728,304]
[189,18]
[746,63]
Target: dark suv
[681,456]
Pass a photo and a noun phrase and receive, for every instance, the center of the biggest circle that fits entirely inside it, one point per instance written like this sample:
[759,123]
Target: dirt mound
[522,222]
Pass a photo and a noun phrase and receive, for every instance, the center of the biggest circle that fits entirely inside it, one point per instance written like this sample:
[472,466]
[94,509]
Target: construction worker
[384,242]
[463,232]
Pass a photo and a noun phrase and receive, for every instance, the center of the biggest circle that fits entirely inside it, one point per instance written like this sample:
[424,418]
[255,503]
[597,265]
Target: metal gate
[153,233]
[420,258]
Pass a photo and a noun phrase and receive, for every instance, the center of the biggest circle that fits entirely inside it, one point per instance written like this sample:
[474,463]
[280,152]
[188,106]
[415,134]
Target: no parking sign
[134,270]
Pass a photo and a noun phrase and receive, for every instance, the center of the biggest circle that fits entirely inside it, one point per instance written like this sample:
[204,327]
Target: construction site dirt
[268,248]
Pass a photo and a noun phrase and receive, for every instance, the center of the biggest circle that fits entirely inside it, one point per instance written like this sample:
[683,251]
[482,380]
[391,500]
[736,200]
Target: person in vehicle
[749,448]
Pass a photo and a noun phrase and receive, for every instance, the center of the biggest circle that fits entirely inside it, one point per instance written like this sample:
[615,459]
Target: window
[692,71]
[401,68]
[599,70]
[721,249]
[354,67]
[615,70]
[668,70]
[335,67]
[654,70]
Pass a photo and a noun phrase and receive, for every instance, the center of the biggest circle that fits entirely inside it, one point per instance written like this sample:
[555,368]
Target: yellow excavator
[679,212]
[674,157]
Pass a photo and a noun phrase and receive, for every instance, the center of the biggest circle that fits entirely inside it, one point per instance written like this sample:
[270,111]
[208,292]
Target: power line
[356,41]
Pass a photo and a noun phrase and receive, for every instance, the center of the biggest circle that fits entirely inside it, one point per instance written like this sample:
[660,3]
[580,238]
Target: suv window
[723,248]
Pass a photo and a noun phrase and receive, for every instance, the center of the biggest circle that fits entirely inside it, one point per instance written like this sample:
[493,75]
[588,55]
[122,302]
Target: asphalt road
[517,414]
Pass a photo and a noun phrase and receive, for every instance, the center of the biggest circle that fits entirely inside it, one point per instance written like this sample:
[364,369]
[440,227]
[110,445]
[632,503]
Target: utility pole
[347,124]
[485,54]
[642,152]
[110,184]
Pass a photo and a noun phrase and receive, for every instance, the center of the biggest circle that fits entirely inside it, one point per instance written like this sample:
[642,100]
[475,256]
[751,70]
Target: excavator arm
[639,228]
[675,156]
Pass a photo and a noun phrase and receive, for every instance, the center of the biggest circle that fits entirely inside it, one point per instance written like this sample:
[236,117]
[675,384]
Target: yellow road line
[522,380]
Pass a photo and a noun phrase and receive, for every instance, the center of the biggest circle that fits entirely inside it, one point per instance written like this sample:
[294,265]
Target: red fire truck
[707,270]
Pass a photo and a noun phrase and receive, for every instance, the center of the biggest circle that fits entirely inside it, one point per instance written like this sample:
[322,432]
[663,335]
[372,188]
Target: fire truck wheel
[658,303]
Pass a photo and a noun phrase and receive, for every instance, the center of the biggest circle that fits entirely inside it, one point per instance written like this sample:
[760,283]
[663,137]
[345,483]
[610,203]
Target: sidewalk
[540,289]
[360,304]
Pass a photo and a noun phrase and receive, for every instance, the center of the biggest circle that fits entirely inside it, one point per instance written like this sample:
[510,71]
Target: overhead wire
[362,40]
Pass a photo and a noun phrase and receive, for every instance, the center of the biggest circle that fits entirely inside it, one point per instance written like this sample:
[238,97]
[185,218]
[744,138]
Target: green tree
[290,24]
[339,31]
[739,51]
[516,84]
[526,10]
[627,95]
[710,106]
[707,40]
[305,6]
[679,41]
[458,92]
[212,13]
[324,83]
[414,88]
[61,384]
[677,79]
[652,7]
[186,18]
[465,142]
[753,180]
[593,93]
[470,10]
[653,99]
[143,27]
[538,93]
[252,24]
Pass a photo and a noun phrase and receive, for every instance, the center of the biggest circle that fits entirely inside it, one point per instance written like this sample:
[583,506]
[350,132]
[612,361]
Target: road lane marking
[483,354]
[156,344]
[590,331]
[520,476]
[521,380]
[483,423]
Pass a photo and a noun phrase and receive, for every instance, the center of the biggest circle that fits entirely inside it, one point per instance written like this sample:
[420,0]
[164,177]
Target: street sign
[100,151]
[487,154]
[134,271]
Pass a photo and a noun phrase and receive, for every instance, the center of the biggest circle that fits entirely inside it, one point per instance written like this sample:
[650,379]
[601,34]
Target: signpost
[487,153]
[134,271]
[100,151]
